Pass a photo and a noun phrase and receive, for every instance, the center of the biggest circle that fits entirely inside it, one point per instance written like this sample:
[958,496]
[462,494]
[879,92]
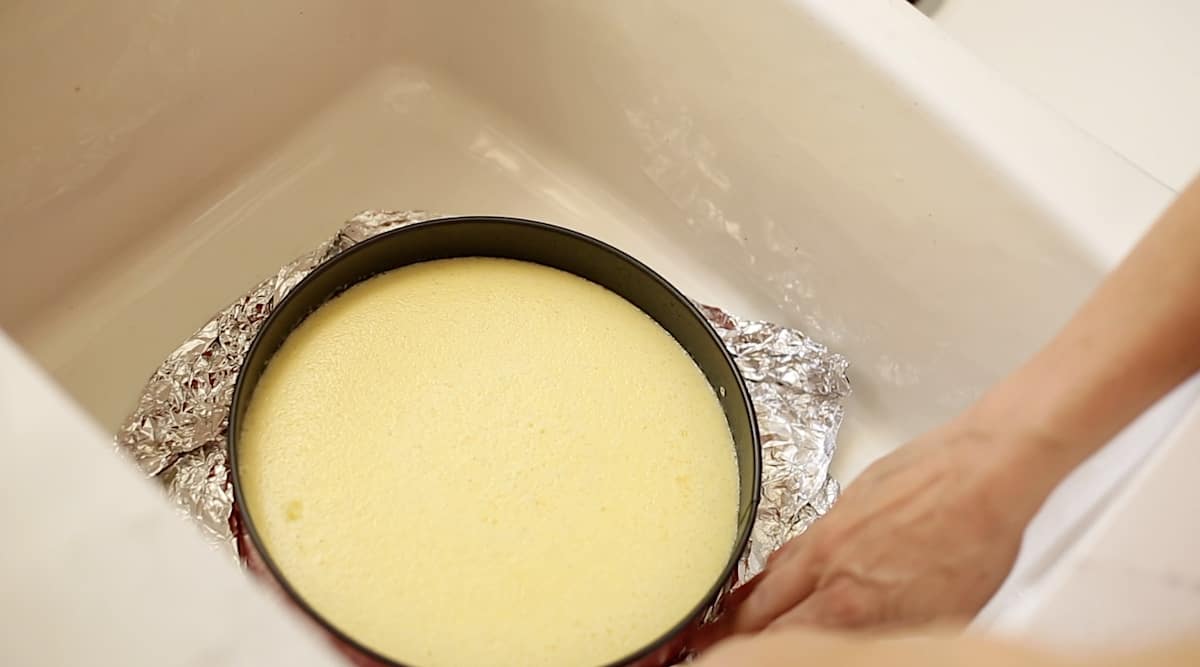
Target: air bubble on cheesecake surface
[541,477]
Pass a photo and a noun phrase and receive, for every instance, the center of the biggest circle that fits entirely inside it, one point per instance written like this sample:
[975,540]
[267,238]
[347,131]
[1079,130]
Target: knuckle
[826,548]
[847,604]
[844,607]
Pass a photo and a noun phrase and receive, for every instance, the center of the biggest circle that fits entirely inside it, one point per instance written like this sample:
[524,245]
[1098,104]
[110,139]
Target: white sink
[1125,72]
[840,167]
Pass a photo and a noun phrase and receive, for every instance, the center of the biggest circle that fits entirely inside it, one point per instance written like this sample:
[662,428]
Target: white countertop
[1133,577]
[97,569]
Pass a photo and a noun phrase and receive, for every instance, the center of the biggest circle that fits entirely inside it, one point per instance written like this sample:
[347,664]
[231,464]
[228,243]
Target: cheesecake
[481,461]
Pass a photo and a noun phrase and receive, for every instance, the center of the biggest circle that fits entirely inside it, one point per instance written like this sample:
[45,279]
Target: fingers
[758,651]
[786,581]
[712,633]
[780,590]
[723,627]
[786,649]
[729,653]
[840,605]
[788,549]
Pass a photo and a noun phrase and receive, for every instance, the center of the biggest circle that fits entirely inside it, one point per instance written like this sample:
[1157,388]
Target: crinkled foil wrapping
[797,387]
[177,432]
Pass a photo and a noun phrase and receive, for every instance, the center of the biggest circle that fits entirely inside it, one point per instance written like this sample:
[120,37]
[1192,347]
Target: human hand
[930,531]
[927,533]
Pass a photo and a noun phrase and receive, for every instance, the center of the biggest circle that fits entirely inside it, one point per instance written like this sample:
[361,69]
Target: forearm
[1136,338]
[787,648]
[930,531]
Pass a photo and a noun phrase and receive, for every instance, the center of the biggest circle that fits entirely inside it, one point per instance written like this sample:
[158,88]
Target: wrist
[1017,454]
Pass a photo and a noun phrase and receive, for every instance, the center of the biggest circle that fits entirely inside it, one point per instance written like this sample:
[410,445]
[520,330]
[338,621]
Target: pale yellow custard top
[487,462]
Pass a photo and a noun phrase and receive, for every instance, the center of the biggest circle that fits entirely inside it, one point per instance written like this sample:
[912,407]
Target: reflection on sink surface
[1122,71]
[785,163]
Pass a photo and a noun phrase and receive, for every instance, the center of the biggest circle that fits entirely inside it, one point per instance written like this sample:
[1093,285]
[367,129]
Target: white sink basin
[839,167]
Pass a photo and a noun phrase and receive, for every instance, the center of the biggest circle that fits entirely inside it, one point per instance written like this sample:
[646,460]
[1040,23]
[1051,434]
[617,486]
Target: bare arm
[930,531]
[1135,339]
[792,648]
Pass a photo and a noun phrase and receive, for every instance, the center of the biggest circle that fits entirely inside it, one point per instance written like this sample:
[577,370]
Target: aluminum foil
[797,387]
[177,433]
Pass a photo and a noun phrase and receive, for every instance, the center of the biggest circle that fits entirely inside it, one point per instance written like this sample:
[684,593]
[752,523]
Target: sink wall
[802,180]
[1124,72]
[840,167]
